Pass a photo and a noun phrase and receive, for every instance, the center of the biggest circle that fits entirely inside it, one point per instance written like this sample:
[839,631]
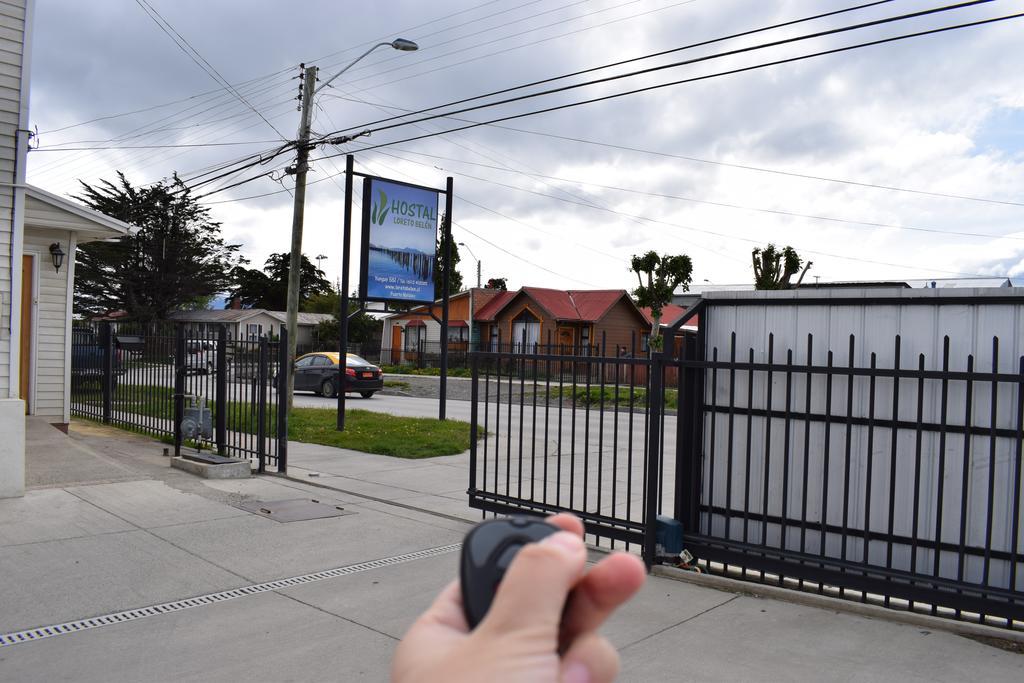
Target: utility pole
[295,262]
[478,274]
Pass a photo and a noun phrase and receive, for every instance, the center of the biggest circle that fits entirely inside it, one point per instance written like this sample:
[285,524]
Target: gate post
[655,408]
[687,484]
[107,370]
[221,390]
[261,406]
[474,396]
[179,385]
[284,369]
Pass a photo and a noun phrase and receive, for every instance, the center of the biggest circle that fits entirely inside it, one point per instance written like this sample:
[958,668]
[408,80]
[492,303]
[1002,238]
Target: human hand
[524,637]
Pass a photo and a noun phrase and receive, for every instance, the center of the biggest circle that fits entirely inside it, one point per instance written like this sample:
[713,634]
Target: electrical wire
[789,60]
[200,61]
[631,60]
[686,62]
[728,205]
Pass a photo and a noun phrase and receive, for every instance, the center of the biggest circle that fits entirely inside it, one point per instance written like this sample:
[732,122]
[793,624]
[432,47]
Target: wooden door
[27,279]
[396,344]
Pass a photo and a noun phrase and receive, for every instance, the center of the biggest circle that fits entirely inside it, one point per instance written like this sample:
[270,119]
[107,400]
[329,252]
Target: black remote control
[487,552]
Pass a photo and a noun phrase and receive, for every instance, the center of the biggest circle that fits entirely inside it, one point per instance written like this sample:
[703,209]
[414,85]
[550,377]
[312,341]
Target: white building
[35,295]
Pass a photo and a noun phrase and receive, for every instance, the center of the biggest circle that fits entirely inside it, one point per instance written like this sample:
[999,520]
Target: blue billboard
[400,223]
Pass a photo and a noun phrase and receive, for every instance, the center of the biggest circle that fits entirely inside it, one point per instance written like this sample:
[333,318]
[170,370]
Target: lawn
[367,431]
[370,432]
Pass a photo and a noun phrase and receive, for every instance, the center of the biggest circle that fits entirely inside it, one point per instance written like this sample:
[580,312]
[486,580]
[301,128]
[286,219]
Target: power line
[729,236]
[491,52]
[652,55]
[686,80]
[200,61]
[700,201]
[197,144]
[653,69]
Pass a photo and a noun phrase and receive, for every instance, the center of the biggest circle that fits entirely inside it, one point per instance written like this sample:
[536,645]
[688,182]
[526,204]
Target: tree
[773,268]
[174,259]
[361,328]
[322,303]
[497,283]
[663,274]
[455,279]
[268,288]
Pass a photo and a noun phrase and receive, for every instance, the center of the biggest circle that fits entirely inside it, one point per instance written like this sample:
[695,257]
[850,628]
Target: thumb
[533,593]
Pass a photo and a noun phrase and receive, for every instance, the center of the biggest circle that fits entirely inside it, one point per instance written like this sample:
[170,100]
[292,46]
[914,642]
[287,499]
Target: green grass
[366,431]
[402,437]
[623,397]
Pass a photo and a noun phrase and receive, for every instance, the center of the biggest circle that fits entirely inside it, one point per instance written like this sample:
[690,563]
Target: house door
[396,344]
[25,358]
[566,339]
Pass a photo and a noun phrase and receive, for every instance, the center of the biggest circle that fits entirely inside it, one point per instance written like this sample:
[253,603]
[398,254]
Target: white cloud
[909,114]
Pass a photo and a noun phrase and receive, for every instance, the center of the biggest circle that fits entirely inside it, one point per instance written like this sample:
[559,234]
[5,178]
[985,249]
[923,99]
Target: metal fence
[896,483]
[561,432]
[147,378]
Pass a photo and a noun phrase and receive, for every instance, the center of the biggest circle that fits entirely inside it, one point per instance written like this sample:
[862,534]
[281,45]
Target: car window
[320,361]
[304,362]
[353,359]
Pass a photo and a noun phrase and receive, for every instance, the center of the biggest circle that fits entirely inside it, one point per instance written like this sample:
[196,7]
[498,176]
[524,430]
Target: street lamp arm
[350,65]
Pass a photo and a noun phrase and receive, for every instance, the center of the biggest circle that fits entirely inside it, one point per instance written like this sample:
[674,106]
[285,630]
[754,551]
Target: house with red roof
[567,319]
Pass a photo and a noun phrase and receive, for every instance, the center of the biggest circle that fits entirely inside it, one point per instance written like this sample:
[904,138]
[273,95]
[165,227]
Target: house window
[495,332]
[458,334]
[585,339]
[645,342]
[413,335]
[525,330]
[253,331]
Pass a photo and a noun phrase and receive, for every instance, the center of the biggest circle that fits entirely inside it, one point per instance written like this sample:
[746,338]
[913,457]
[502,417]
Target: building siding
[49,322]
[12,26]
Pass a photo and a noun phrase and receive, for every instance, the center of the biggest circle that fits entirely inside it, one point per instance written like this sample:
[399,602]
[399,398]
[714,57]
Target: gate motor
[197,423]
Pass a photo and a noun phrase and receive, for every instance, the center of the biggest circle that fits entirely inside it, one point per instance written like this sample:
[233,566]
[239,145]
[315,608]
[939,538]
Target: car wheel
[328,389]
[367,394]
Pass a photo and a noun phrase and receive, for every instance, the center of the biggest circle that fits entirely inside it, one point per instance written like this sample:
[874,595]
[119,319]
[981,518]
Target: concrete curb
[961,628]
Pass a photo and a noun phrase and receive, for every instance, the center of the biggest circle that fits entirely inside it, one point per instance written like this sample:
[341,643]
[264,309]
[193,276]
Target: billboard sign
[400,223]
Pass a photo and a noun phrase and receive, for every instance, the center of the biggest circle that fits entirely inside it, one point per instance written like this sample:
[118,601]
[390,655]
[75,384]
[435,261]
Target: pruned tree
[497,283]
[774,268]
[268,287]
[659,277]
[455,277]
[175,259]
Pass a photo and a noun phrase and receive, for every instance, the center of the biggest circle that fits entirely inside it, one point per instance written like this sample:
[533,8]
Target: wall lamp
[57,254]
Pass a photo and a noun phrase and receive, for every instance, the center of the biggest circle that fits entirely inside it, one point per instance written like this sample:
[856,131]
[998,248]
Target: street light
[463,244]
[309,89]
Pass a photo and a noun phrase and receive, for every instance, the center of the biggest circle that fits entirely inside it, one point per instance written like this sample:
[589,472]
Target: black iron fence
[876,482]
[195,390]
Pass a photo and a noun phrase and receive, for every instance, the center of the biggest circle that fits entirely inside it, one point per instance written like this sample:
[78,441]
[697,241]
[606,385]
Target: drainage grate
[212,598]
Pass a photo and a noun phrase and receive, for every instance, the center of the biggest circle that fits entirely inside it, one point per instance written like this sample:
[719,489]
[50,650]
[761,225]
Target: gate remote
[487,552]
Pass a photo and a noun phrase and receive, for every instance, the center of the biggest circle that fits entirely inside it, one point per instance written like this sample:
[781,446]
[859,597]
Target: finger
[567,522]
[591,659]
[533,592]
[607,585]
[446,609]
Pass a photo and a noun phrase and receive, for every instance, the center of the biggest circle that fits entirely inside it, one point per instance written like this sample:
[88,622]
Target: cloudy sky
[709,168]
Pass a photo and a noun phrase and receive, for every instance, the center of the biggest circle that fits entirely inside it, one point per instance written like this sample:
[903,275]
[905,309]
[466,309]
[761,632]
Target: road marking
[42,632]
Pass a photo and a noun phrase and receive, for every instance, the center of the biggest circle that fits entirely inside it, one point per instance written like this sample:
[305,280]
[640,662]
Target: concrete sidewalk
[83,550]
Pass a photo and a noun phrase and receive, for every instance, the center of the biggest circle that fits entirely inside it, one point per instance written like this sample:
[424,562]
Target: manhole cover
[296,510]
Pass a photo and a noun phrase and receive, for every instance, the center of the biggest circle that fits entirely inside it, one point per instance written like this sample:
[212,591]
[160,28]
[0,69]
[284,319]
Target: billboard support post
[403,265]
[446,241]
[346,250]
